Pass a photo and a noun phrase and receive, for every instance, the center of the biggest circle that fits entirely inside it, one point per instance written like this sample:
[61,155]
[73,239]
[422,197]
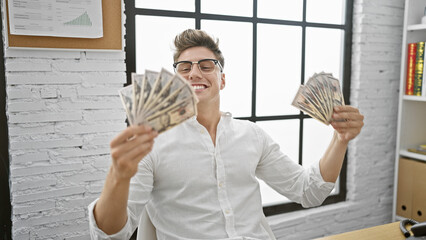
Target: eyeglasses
[206,66]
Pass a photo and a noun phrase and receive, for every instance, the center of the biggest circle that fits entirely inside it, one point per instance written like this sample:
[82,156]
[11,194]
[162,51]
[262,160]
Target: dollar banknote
[319,96]
[159,99]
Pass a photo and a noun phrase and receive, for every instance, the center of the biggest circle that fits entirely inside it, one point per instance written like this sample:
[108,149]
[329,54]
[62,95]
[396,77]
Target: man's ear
[222,81]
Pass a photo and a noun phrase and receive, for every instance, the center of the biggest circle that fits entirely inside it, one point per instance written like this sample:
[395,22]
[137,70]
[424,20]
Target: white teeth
[197,87]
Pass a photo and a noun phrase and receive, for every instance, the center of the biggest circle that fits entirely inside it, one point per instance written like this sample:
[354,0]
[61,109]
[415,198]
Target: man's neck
[209,118]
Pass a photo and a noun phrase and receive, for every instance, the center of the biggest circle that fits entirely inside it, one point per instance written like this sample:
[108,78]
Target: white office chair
[267,228]
[146,230]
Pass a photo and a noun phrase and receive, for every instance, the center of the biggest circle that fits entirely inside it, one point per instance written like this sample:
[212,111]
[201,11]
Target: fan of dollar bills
[161,100]
[318,97]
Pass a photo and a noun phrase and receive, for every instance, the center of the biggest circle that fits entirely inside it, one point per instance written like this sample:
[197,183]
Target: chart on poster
[66,18]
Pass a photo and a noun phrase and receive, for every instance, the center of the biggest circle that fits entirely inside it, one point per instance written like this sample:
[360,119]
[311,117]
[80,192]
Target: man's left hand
[347,121]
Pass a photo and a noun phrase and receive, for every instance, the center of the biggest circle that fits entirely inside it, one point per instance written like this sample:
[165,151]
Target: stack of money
[319,96]
[161,100]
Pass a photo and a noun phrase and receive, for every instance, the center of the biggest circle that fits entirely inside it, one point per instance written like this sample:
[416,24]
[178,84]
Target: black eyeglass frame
[216,62]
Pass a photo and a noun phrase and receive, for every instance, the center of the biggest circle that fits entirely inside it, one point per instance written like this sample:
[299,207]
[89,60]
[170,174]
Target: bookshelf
[410,172]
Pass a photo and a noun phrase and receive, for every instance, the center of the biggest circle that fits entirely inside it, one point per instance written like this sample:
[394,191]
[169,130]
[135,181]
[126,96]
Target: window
[270,48]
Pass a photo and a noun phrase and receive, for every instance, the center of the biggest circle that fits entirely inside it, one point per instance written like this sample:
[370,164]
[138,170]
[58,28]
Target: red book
[411,68]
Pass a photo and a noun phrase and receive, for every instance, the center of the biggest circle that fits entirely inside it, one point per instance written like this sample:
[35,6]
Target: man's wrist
[118,179]
[339,139]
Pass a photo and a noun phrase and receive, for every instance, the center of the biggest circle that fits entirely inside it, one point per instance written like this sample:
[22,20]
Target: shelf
[411,130]
[416,27]
[399,218]
[414,98]
[416,156]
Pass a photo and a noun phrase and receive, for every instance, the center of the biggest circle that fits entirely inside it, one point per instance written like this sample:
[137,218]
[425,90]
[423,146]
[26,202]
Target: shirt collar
[224,116]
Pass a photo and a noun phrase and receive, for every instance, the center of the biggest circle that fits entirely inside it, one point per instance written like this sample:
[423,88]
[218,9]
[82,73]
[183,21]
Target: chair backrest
[146,230]
[267,228]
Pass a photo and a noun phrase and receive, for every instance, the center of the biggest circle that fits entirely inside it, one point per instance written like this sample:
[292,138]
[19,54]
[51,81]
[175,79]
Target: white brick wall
[63,108]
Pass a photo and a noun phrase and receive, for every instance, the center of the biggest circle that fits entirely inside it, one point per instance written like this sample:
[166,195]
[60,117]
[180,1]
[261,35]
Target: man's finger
[127,145]
[345,108]
[138,152]
[129,133]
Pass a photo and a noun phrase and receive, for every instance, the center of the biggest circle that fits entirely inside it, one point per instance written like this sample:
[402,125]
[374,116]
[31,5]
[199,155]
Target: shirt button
[220,184]
[227,211]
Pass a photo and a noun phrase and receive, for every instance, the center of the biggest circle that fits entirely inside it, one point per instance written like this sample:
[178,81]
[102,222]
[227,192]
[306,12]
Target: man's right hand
[128,148]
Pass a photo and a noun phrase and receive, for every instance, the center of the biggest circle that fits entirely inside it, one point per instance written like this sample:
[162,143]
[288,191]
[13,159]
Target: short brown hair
[197,38]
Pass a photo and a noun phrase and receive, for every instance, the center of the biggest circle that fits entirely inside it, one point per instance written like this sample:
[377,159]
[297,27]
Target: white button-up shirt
[194,189]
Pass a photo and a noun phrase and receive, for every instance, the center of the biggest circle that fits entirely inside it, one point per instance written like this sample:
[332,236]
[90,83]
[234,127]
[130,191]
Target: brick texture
[63,109]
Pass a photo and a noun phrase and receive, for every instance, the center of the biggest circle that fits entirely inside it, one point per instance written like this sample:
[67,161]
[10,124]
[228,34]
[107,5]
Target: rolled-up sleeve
[302,185]
[98,234]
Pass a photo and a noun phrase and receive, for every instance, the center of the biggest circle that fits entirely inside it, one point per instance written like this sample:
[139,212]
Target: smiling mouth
[199,87]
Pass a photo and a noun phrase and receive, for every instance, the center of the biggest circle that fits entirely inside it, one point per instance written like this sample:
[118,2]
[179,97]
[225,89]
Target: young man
[198,181]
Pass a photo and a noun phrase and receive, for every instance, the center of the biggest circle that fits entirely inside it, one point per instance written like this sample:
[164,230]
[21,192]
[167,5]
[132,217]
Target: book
[424,80]
[417,150]
[421,149]
[418,76]
[411,63]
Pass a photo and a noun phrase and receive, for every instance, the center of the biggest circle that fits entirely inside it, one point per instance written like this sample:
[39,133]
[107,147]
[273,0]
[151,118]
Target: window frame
[130,50]
[6,217]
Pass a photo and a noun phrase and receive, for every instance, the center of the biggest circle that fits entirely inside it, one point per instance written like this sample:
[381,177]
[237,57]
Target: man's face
[206,86]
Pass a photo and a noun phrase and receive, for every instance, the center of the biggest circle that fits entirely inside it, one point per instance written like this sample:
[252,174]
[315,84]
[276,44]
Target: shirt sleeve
[98,234]
[141,186]
[302,185]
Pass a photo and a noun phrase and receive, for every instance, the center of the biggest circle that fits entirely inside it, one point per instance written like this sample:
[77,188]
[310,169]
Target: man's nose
[195,71]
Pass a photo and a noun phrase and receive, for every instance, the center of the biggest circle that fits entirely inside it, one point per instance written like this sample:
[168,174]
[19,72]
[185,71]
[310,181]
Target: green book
[418,75]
